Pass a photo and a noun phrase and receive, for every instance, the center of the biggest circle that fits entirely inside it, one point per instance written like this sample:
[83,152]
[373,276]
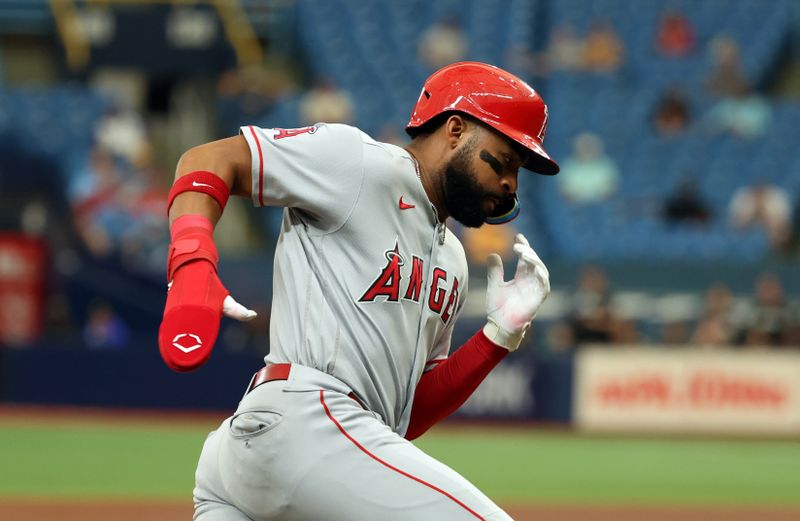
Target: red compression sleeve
[446,387]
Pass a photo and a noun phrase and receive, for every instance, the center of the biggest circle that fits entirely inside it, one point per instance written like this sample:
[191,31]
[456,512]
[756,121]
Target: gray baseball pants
[302,450]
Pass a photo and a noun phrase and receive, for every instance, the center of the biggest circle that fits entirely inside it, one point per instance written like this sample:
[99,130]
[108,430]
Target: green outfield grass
[151,460]
[563,467]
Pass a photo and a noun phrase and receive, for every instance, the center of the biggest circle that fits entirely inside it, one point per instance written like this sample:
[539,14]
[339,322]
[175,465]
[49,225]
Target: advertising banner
[22,278]
[753,391]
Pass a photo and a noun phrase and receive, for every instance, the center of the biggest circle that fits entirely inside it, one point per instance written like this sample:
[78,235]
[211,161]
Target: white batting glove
[510,306]
[232,309]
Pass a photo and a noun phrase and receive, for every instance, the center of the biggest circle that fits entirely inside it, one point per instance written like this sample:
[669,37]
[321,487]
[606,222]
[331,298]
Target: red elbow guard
[194,301]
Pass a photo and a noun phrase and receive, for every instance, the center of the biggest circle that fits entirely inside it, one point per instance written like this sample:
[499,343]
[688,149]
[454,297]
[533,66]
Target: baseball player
[368,285]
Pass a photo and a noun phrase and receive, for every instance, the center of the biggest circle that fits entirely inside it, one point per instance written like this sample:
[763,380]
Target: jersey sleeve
[316,170]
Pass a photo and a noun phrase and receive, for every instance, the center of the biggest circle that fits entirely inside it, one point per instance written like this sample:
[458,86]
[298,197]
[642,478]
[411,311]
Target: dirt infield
[73,510]
[647,513]
[171,511]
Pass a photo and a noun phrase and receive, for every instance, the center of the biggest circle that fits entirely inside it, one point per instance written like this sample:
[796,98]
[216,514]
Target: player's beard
[464,197]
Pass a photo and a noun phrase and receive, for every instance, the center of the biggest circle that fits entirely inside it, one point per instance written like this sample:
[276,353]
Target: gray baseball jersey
[367,283]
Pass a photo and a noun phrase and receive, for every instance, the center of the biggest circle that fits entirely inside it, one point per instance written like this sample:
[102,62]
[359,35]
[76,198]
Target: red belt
[272,372]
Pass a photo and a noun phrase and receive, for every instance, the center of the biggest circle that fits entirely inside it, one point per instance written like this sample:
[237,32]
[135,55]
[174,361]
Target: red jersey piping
[260,168]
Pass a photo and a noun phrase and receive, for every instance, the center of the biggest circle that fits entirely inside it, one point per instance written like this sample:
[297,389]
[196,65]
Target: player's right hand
[511,306]
[196,299]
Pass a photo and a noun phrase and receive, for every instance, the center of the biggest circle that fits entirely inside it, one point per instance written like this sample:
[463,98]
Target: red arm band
[203,182]
[446,387]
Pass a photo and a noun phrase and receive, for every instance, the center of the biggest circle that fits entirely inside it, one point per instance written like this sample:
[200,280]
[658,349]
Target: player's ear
[456,128]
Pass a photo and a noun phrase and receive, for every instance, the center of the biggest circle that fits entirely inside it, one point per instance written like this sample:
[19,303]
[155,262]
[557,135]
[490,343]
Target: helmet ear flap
[505,213]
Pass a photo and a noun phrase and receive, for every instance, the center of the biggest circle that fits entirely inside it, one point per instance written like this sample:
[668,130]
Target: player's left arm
[196,299]
[510,308]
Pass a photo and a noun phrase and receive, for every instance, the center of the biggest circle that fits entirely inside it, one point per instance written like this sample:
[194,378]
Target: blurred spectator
[122,132]
[119,208]
[686,205]
[591,318]
[560,337]
[672,115]
[144,242]
[726,77]
[744,115]
[117,202]
[104,328]
[604,52]
[772,321]
[794,242]
[715,327]
[675,37]
[588,175]
[247,94]
[763,205]
[442,43]
[674,332]
[624,330]
[93,195]
[480,242]
[325,102]
[565,52]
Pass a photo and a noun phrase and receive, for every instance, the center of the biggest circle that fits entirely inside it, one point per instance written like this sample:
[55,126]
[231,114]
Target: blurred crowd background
[675,219]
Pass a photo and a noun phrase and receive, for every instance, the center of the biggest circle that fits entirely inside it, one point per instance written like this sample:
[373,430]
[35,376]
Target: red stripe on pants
[389,466]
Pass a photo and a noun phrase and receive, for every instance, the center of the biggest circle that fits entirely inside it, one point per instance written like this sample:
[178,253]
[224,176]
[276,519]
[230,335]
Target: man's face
[481,176]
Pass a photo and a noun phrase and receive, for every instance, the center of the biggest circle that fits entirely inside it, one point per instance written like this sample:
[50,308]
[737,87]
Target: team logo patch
[443,292]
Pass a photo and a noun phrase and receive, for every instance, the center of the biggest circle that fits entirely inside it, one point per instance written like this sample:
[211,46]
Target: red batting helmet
[494,96]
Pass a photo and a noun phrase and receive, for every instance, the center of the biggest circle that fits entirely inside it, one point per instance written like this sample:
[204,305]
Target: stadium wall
[601,389]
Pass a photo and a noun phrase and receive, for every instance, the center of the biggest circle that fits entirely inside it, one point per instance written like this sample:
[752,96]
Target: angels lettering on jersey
[391,283]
